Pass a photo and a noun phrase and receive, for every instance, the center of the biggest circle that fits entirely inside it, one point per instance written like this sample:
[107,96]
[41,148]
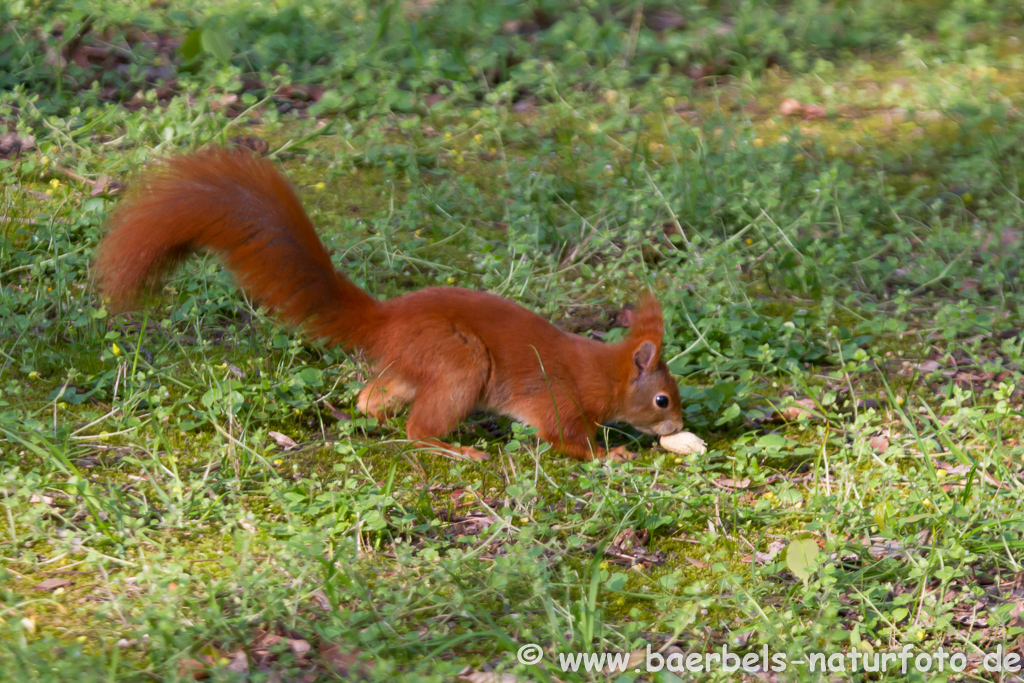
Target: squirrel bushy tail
[243,209]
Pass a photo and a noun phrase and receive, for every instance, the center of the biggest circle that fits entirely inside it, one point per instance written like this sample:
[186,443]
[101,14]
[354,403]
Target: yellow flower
[320,187]
[669,102]
[54,183]
[477,138]
[116,349]
[758,142]
[450,280]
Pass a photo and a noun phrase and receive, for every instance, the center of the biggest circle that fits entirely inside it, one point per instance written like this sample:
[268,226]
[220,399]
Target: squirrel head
[651,402]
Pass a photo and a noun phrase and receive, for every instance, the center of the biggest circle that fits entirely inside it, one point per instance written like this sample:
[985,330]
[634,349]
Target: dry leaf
[299,646]
[790,107]
[699,564]
[726,483]
[52,584]
[774,548]
[879,443]
[470,675]
[194,668]
[251,143]
[345,663]
[793,107]
[628,539]
[285,442]
[928,366]
[320,598]
[239,663]
[339,415]
[11,145]
[799,408]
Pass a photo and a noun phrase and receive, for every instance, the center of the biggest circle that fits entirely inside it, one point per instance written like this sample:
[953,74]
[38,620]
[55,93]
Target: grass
[826,197]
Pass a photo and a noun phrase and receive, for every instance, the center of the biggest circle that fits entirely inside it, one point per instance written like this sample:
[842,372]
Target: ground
[826,198]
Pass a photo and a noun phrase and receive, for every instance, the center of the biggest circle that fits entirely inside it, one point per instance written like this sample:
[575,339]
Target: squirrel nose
[669,427]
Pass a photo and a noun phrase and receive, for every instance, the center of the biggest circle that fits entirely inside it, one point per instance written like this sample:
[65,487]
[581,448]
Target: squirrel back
[241,207]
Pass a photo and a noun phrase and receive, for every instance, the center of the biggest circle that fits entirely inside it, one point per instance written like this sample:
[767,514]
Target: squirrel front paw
[621,454]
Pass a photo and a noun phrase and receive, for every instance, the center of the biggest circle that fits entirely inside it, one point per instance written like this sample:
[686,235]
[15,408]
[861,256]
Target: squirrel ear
[647,321]
[645,357]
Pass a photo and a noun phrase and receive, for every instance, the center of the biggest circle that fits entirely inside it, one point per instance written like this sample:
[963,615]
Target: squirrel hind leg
[384,396]
[438,409]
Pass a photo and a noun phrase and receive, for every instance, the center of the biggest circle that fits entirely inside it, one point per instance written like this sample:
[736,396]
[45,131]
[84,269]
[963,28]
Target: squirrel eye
[661,400]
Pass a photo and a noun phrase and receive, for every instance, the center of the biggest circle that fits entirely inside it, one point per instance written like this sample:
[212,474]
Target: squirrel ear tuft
[645,357]
[648,322]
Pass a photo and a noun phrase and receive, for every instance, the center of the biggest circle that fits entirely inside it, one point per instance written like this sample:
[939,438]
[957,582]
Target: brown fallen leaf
[470,675]
[52,584]
[699,564]
[346,663]
[798,409]
[285,442]
[11,145]
[195,668]
[299,646]
[814,111]
[629,538]
[774,548]
[879,443]
[239,663]
[790,107]
[339,415]
[319,598]
[265,640]
[794,107]
[251,143]
[733,484]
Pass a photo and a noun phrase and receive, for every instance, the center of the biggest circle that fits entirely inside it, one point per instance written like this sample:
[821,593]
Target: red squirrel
[445,350]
